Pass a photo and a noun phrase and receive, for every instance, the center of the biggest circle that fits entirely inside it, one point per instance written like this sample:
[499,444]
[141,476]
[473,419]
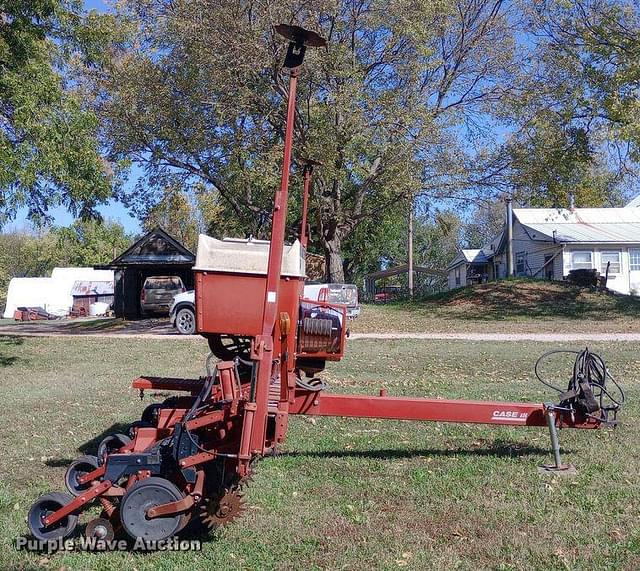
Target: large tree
[89,242]
[48,141]
[197,95]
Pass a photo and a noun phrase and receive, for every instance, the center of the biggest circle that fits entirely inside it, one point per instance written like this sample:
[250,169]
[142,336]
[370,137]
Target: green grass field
[346,494]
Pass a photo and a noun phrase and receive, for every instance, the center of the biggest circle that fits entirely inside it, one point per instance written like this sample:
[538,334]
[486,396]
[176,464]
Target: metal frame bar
[438,410]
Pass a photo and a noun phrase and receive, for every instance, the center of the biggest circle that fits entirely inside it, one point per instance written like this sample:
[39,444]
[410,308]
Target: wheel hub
[139,499]
[100,528]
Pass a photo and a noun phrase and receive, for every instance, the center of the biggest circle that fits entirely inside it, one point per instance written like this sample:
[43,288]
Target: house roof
[475,256]
[591,225]
[155,247]
[493,247]
[81,288]
[468,257]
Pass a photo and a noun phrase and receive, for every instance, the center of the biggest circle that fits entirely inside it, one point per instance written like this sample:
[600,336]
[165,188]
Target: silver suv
[157,293]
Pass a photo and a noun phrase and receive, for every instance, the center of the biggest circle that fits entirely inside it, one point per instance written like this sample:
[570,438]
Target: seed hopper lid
[300,36]
[235,255]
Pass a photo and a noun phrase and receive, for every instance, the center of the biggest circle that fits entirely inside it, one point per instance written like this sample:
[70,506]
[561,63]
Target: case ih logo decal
[509,415]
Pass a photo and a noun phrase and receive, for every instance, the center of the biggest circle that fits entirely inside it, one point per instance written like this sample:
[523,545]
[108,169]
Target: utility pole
[509,225]
[410,247]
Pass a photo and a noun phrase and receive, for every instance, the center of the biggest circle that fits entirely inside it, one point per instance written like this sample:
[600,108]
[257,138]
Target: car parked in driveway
[182,314]
[157,293]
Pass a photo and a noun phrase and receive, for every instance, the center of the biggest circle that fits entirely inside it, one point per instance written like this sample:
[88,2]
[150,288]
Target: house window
[612,259]
[520,263]
[634,260]
[581,260]
[457,274]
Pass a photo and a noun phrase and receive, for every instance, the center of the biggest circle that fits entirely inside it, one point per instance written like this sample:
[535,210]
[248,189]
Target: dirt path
[169,333]
[504,336]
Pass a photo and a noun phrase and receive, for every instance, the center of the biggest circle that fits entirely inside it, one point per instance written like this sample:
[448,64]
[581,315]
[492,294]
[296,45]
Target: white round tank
[98,308]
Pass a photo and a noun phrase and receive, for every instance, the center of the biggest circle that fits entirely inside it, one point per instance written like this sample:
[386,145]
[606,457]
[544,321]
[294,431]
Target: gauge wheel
[78,468]
[43,507]
[186,321]
[111,445]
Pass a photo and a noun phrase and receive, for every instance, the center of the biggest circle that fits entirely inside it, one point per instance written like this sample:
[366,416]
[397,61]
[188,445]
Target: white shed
[52,294]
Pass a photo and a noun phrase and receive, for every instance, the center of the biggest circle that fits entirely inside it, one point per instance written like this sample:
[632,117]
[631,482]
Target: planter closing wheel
[43,507]
[143,496]
[186,321]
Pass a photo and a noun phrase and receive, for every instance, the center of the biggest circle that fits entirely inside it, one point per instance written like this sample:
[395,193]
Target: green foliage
[485,221]
[437,241]
[579,110]
[551,161]
[384,241]
[176,214]
[48,142]
[89,242]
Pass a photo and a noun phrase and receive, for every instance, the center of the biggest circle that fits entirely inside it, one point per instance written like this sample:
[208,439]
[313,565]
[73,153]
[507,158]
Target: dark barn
[155,254]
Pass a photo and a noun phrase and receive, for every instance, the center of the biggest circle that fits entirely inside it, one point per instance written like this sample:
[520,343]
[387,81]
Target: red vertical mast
[299,39]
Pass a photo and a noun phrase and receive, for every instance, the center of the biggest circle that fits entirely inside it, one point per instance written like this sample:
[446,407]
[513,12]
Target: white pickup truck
[182,314]
[335,293]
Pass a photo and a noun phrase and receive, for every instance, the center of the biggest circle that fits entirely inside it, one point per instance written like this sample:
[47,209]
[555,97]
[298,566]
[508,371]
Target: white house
[549,242]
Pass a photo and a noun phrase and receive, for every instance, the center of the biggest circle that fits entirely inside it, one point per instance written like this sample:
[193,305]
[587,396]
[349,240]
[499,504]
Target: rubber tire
[78,467]
[186,321]
[109,446]
[133,505]
[46,505]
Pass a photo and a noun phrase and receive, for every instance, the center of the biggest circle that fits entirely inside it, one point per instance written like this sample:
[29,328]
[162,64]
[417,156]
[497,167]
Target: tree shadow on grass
[6,344]
[91,446]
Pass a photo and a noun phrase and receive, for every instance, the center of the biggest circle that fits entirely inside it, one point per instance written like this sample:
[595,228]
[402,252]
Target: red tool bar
[440,410]
[168,384]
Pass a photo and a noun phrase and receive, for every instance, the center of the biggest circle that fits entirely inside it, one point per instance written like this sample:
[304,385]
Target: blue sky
[96,4]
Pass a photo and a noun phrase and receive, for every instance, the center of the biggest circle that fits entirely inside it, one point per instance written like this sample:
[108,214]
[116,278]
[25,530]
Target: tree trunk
[333,257]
